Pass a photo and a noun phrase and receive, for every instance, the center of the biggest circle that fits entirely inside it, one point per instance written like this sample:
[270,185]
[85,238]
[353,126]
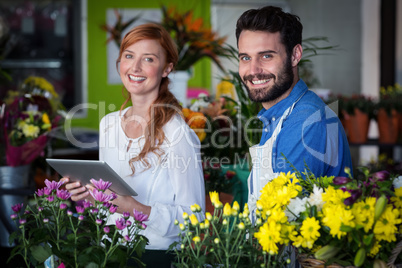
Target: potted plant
[356,111]
[225,237]
[27,116]
[388,110]
[55,232]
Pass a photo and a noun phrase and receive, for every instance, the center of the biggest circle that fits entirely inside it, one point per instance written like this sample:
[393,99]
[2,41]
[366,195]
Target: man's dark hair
[272,19]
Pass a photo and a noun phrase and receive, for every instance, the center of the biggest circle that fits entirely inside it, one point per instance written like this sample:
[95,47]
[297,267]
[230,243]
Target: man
[298,128]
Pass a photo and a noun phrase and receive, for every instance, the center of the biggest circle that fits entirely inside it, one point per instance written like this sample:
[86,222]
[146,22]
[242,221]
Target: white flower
[200,103]
[295,207]
[397,182]
[315,198]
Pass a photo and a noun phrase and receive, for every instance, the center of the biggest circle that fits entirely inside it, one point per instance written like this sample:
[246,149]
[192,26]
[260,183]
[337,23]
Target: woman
[149,144]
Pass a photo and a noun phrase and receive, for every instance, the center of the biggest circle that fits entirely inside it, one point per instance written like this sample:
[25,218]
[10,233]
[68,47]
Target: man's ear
[297,54]
[168,69]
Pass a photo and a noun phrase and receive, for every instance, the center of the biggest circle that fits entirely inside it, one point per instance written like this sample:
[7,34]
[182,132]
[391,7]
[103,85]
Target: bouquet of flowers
[27,117]
[226,238]
[194,40]
[337,220]
[212,126]
[51,229]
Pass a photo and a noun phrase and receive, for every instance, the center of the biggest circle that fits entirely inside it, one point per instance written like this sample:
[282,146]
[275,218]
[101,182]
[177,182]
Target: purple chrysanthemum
[113,209]
[98,221]
[40,192]
[100,196]
[106,229]
[94,211]
[121,223]
[126,215]
[63,206]
[47,191]
[80,210]
[13,216]
[17,207]
[86,204]
[139,216]
[63,194]
[100,184]
[50,198]
[23,221]
[53,185]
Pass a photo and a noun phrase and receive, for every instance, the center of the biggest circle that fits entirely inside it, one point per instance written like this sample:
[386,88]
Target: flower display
[76,235]
[27,117]
[194,39]
[345,221]
[337,220]
[224,238]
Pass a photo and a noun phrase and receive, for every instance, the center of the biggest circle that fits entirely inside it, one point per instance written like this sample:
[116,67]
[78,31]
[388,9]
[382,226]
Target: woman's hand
[77,191]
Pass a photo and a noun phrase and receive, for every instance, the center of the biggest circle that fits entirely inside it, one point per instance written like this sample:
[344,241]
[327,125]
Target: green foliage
[51,229]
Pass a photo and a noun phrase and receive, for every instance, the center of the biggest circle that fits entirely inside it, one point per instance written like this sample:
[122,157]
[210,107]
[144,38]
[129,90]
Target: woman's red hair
[166,105]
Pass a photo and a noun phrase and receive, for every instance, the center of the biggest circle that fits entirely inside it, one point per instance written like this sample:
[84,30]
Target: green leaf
[346,228]
[92,265]
[41,253]
[367,239]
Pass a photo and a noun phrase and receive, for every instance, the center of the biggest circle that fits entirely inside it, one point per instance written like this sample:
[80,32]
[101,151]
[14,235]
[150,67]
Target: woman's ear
[168,69]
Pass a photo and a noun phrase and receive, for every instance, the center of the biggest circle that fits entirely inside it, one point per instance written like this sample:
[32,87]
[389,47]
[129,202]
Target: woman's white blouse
[170,186]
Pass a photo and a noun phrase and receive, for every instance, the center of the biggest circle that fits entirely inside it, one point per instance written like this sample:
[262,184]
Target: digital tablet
[85,170]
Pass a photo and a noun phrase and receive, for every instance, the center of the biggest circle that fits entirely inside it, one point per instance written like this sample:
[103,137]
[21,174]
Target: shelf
[375,142]
[34,63]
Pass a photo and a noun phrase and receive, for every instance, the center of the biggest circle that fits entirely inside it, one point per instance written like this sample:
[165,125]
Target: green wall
[104,98]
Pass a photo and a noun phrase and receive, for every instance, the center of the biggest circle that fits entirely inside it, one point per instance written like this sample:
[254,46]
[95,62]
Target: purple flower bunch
[77,233]
[366,185]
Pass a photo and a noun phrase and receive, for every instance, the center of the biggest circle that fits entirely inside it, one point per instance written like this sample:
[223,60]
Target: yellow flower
[21,124]
[196,239]
[385,228]
[193,219]
[227,210]
[288,233]
[225,88]
[375,249]
[309,229]
[335,216]
[30,131]
[363,212]
[201,135]
[397,199]
[41,83]
[214,196]
[208,216]
[206,223]
[45,119]
[185,215]
[334,196]
[236,206]
[268,236]
[241,226]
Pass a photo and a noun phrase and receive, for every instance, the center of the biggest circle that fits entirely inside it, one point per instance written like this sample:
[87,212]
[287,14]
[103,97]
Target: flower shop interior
[63,55]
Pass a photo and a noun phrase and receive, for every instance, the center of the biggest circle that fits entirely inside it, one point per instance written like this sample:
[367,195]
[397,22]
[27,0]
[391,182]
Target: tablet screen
[85,170]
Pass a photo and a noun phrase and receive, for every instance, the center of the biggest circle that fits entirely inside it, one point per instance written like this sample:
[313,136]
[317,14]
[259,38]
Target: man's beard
[281,85]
